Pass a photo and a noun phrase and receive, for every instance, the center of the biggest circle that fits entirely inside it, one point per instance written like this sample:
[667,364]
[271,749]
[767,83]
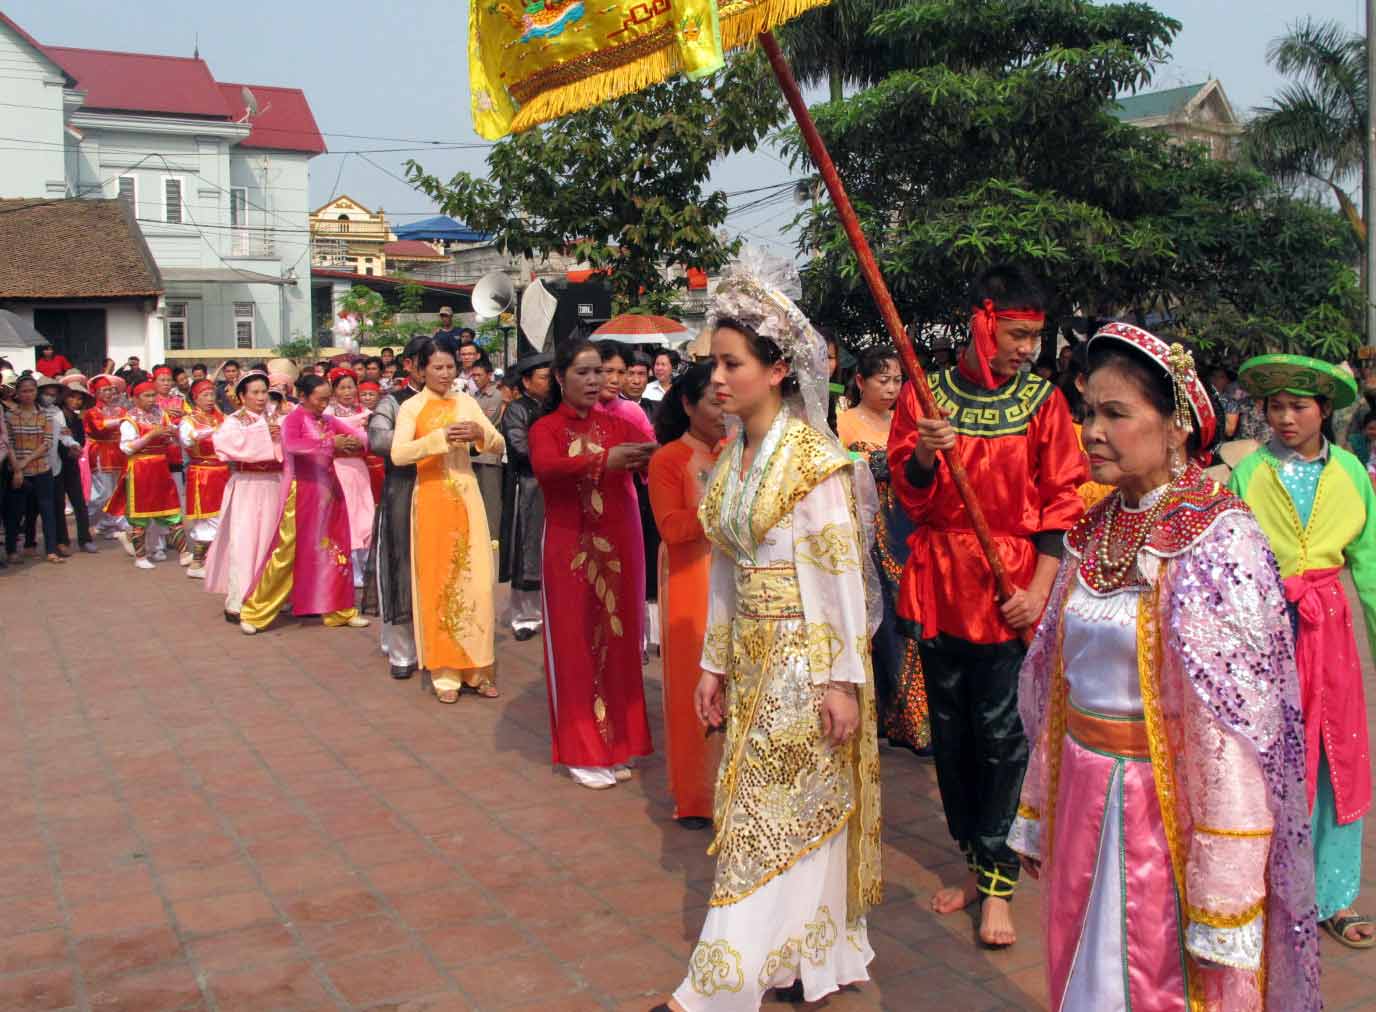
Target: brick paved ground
[196,819]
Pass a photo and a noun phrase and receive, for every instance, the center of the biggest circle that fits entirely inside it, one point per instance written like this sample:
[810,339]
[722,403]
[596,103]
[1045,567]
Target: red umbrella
[635,328]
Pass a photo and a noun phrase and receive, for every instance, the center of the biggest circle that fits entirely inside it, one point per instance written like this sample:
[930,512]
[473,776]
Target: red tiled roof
[73,249]
[143,83]
[284,122]
[411,249]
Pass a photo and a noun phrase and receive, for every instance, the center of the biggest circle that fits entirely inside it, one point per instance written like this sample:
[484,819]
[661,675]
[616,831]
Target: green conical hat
[1299,375]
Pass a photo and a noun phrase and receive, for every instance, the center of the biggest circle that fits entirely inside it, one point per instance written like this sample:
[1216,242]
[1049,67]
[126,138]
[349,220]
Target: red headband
[983,326]
[370,385]
[144,388]
[337,374]
[200,385]
[162,370]
[101,381]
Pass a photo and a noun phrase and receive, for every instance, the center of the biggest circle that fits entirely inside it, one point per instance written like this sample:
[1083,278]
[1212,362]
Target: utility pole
[1369,175]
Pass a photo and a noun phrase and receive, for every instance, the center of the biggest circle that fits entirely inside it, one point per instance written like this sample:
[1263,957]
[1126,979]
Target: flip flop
[1338,927]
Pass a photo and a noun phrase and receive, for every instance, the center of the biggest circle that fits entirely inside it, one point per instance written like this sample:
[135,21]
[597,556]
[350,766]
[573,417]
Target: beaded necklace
[1108,571]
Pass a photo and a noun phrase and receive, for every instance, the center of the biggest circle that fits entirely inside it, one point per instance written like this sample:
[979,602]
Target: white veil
[760,291]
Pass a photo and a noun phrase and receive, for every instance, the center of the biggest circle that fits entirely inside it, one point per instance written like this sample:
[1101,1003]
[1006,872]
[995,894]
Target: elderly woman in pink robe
[308,564]
[252,446]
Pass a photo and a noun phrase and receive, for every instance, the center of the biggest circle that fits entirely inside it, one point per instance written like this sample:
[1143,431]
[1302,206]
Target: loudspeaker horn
[493,295]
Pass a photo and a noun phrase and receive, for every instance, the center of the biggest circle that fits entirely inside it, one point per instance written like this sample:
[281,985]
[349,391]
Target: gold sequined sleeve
[721,606]
[826,555]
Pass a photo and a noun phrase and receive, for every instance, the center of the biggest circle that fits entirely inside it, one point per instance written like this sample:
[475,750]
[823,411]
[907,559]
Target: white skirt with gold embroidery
[792,928]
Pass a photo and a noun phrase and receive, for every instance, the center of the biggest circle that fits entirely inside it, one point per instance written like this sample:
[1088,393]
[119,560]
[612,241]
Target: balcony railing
[250,242]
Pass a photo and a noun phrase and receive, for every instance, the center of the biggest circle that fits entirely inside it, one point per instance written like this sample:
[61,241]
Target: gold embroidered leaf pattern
[595,500]
[601,587]
[601,543]
[614,566]
[716,644]
[715,966]
[617,629]
[832,549]
[822,646]
[578,561]
[576,447]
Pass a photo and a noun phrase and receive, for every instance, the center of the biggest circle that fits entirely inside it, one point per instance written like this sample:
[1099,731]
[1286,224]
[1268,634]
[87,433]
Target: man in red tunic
[1013,431]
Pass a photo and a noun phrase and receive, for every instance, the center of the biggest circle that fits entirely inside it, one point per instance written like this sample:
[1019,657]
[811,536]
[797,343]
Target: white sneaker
[125,542]
[358,622]
[248,630]
[195,573]
[594,778]
[185,558]
[109,534]
[90,548]
[621,772]
[159,556]
[143,564]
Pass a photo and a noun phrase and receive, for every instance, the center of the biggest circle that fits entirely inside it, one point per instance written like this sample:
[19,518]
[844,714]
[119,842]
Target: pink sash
[1331,694]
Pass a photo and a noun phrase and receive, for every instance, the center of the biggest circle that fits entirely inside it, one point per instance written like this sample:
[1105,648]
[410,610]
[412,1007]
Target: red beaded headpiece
[146,387]
[1178,364]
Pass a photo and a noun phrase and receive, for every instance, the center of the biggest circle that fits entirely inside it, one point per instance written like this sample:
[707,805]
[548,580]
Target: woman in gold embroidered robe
[786,662]
[451,555]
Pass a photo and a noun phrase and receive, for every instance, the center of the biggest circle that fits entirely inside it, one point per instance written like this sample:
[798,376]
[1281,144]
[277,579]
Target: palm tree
[1315,130]
[832,44]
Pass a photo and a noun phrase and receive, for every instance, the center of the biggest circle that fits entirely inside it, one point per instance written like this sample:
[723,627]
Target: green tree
[374,315]
[621,186]
[833,44]
[996,143]
[1315,129]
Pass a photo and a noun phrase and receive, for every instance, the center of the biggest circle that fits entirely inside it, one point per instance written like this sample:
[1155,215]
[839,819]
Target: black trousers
[979,747]
[35,494]
[67,488]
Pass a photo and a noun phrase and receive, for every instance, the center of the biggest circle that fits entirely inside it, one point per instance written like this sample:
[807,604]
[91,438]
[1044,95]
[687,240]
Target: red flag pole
[887,310]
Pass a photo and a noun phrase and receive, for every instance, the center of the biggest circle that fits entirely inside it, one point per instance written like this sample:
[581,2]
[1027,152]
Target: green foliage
[1315,129]
[833,44]
[995,144]
[621,186]
[373,313]
[298,349]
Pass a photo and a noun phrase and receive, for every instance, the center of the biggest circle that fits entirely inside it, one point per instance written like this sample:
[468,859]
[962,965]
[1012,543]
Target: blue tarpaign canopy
[441,227]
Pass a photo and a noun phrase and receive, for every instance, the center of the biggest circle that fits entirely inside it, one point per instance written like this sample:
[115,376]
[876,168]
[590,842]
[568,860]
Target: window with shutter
[128,192]
[172,200]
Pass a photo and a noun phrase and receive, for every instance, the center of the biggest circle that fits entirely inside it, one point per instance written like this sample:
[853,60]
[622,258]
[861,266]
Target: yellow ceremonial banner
[531,63]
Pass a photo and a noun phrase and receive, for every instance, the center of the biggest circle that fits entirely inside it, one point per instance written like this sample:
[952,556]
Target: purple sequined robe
[1212,828]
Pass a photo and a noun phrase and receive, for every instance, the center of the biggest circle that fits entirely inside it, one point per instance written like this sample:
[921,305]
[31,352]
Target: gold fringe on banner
[588,77]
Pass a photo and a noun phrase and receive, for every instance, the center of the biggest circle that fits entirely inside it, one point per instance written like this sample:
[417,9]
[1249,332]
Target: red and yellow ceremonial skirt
[205,488]
[104,455]
[147,492]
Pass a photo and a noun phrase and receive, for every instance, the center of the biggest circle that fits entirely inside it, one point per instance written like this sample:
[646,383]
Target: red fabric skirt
[147,491]
[205,488]
[104,455]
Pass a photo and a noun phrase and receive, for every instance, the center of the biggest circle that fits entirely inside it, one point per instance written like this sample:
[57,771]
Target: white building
[220,191]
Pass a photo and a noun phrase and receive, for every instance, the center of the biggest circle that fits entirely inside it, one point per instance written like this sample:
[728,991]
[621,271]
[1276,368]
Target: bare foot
[953,898]
[996,923]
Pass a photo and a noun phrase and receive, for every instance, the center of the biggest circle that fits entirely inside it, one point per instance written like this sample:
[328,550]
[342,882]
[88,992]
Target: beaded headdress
[759,291]
[1193,408]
